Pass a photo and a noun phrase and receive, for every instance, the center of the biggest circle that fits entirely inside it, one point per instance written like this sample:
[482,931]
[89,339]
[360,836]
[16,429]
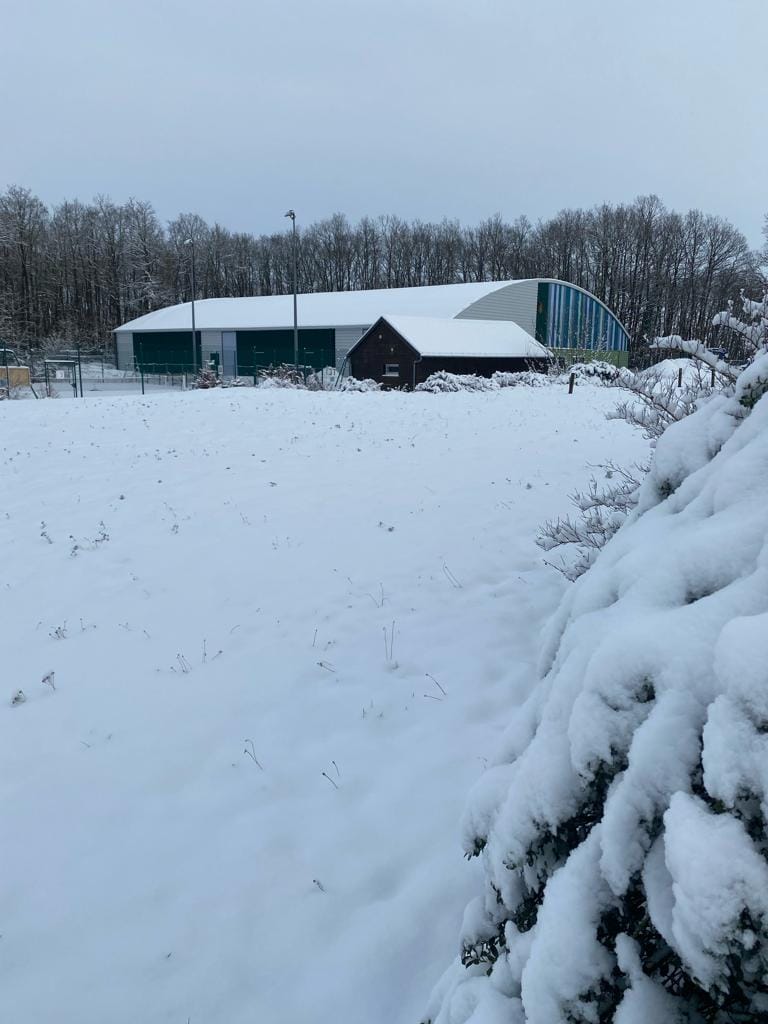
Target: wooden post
[713,376]
[571,382]
[680,377]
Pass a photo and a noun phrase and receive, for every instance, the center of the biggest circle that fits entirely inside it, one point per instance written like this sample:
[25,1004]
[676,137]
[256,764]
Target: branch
[602,511]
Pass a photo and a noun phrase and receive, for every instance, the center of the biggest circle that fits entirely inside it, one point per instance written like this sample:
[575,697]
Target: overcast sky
[238,109]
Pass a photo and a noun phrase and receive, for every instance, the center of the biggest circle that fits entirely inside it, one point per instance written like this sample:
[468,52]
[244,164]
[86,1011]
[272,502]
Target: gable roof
[482,339]
[316,309]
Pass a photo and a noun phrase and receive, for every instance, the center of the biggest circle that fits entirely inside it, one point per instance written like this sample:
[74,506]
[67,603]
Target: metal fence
[63,378]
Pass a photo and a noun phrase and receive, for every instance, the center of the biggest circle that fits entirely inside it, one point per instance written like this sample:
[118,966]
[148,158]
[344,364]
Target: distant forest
[77,270]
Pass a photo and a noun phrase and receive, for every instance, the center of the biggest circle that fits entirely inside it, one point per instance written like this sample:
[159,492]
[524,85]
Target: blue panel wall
[576,320]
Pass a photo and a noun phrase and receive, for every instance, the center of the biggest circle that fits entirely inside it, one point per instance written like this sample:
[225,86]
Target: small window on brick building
[392,369]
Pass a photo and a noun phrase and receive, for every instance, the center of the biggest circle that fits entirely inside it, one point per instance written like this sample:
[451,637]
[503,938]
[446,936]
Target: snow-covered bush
[353,384]
[206,378]
[443,381]
[622,828]
[526,378]
[284,376]
[596,370]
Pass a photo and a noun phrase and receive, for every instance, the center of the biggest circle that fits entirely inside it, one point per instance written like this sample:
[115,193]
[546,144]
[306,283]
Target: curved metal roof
[336,309]
[316,309]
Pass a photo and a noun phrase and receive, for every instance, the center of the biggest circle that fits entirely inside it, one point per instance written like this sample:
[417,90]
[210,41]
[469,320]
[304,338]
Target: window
[392,369]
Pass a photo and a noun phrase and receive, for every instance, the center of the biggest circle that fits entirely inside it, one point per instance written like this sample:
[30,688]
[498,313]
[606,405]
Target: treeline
[76,271]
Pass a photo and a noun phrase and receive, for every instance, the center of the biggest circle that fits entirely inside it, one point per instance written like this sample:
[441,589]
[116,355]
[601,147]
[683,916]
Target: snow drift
[240,803]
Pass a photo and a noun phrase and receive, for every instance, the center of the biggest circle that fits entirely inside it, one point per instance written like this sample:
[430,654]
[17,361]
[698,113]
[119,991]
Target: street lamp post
[292,215]
[191,241]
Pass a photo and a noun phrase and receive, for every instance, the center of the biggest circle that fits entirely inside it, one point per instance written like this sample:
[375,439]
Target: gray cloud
[236,110]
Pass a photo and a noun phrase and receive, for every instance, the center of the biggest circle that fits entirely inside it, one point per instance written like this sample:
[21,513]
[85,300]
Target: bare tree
[78,270]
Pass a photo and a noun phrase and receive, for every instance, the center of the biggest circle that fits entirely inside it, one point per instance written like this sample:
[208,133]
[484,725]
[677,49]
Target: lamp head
[291,214]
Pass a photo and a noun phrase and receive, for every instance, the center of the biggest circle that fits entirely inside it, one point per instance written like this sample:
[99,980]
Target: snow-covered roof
[317,309]
[435,336]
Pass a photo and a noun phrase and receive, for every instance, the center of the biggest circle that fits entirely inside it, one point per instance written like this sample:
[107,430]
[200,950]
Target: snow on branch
[656,401]
[753,329]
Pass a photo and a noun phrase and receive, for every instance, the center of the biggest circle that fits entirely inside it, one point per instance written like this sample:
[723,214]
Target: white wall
[229,346]
[346,337]
[124,345]
[210,343]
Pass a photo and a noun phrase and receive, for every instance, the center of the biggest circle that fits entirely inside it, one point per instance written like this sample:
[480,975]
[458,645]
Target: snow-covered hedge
[596,370]
[623,826]
[353,384]
[526,378]
[442,381]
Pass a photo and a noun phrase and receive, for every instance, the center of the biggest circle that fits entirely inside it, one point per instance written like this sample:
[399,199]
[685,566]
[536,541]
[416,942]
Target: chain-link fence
[64,377]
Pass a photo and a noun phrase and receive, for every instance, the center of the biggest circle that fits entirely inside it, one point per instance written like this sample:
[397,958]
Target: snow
[718,874]
[231,803]
[663,754]
[644,1000]
[316,309]
[669,369]
[566,959]
[693,368]
[735,757]
[434,336]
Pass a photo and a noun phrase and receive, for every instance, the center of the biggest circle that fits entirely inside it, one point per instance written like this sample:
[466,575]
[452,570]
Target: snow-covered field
[285,630]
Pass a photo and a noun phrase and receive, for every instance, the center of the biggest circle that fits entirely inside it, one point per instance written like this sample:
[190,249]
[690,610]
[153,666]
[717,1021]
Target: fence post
[571,382]
[713,376]
[680,377]
[79,372]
